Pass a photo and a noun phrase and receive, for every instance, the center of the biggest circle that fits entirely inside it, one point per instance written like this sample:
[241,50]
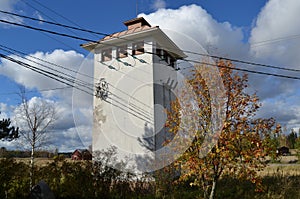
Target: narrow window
[106,55]
[122,51]
[158,50]
[138,48]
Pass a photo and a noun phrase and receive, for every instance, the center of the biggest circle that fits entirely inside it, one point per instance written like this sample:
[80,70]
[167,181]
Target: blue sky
[230,28]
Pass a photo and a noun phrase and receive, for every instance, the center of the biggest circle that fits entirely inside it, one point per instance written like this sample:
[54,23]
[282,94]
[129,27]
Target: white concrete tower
[134,71]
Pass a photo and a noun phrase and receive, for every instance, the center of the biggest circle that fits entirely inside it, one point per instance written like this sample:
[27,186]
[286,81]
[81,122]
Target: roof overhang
[155,32]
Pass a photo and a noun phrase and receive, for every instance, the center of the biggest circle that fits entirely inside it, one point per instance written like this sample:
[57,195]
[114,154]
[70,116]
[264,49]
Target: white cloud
[70,103]
[194,22]
[30,79]
[271,36]
[273,41]
[277,19]
[159,4]
[39,16]
[280,97]
[8,5]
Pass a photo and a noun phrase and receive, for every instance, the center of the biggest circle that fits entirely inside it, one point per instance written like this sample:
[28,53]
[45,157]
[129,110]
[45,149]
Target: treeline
[4,153]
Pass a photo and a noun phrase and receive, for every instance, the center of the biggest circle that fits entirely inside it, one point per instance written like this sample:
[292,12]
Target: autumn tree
[242,143]
[34,118]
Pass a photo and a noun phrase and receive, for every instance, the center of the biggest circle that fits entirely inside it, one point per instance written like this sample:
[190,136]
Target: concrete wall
[132,118]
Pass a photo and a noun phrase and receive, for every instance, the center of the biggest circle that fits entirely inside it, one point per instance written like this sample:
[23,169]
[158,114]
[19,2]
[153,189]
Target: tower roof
[137,28]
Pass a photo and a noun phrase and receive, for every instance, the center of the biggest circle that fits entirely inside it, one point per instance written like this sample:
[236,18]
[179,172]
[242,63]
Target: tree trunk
[31,180]
[213,190]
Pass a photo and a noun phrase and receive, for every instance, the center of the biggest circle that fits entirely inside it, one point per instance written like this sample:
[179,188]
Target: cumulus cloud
[274,33]
[278,19]
[70,60]
[159,4]
[194,22]
[280,97]
[74,107]
[8,5]
[274,40]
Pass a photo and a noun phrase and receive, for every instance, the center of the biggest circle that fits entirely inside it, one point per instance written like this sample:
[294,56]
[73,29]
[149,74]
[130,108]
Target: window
[138,48]
[106,55]
[158,50]
[122,51]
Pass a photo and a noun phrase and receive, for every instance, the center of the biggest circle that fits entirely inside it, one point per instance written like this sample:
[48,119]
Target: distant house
[283,150]
[81,154]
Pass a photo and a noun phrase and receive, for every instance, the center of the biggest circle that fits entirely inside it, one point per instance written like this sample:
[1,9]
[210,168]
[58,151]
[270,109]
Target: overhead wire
[53,23]
[236,68]
[135,111]
[82,83]
[40,90]
[241,69]
[69,77]
[40,12]
[201,54]
[13,51]
[42,72]
[60,15]
[234,60]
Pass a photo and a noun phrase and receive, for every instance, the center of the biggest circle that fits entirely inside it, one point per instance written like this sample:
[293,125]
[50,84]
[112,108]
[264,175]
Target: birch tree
[35,118]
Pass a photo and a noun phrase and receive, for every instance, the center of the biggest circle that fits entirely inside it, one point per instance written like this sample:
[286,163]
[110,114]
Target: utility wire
[83,39]
[246,62]
[201,54]
[40,90]
[39,11]
[69,77]
[241,69]
[16,52]
[133,111]
[53,23]
[65,18]
[42,72]
[47,31]
[186,51]
[278,39]
[45,61]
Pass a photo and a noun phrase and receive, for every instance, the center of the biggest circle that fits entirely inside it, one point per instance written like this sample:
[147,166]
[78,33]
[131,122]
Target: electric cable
[60,79]
[186,51]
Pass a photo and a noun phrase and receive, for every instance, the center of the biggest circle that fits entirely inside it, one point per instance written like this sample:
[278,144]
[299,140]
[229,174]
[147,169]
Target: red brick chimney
[136,23]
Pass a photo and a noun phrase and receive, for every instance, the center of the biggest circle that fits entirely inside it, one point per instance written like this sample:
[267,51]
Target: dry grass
[283,169]
[40,161]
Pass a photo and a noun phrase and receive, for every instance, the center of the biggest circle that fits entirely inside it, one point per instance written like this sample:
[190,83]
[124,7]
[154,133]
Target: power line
[278,39]
[53,23]
[241,69]
[45,61]
[115,102]
[13,51]
[186,51]
[245,70]
[71,78]
[67,76]
[49,18]
[65,18]
[47,31]
[246,62]
[40,90]
[53,76]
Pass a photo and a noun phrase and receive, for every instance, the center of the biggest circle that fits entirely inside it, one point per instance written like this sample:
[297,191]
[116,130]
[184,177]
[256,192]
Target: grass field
[286,166]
